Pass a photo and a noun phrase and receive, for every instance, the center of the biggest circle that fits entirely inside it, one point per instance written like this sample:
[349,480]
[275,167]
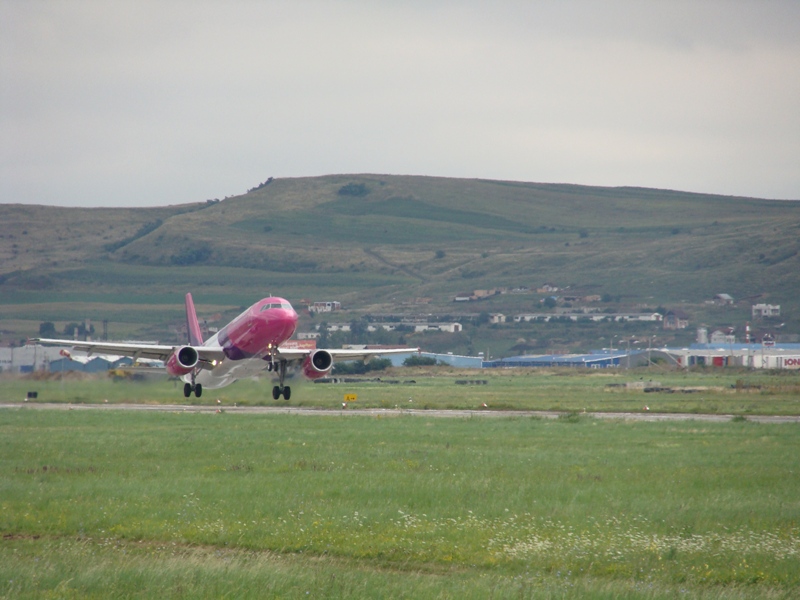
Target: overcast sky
[133,103]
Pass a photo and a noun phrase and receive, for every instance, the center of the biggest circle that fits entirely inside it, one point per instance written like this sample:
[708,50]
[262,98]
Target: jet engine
[182,361]
[317,364]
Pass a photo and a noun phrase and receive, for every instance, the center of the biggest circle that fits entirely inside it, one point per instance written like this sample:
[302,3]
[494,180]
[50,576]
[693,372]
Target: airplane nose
[287,318]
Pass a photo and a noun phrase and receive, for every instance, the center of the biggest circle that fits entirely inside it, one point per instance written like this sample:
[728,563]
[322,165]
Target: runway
[395,412]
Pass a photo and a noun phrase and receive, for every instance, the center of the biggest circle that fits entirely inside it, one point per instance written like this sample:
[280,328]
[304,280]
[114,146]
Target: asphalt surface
[395,412]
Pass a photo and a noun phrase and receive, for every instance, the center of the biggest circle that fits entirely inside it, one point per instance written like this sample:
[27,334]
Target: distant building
[299,345]
[596,317]
[321,307]
[675,319]
[416,327]
[723,299]
[477,295]
[308,335]
[766,310]
[89,364]
[722,336]
[444,327]
[26,359]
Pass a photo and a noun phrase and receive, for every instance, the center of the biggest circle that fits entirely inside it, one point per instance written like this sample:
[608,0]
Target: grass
[209,505]
[728,391]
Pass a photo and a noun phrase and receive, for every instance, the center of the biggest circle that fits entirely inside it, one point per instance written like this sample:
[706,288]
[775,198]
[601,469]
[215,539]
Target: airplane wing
[206,354]
[340,354]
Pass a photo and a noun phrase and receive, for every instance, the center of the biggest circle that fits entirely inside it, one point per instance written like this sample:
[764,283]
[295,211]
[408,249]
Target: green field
[184,505]
[711,391]
[189,505]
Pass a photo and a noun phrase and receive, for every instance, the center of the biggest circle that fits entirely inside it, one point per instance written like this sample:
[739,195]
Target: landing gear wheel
[188,388]
[280,389]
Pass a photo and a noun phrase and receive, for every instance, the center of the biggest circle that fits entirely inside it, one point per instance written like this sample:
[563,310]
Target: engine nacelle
[317,364]
[182,361]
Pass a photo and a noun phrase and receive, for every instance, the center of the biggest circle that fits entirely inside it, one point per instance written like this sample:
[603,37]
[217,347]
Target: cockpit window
[284,305]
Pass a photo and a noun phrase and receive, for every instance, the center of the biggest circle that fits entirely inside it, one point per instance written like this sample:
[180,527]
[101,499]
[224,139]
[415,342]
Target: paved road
[391,412]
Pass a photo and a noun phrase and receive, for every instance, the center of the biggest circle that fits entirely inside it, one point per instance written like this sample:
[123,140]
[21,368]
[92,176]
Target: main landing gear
[188,388]
[280,389]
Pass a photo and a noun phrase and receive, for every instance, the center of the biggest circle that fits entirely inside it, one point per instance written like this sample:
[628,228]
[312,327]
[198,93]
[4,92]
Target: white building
[752,357]
[445,327]
[323,307]
[766,310]
[596,317]
[722,337]
[308,335]
[417,327]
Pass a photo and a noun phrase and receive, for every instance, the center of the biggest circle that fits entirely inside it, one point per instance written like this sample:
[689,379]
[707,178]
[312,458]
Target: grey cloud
[133,103]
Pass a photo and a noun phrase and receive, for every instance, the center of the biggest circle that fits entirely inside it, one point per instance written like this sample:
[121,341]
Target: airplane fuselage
[266,324]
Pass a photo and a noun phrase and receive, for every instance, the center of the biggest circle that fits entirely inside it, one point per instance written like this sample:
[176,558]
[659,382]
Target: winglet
[192,326]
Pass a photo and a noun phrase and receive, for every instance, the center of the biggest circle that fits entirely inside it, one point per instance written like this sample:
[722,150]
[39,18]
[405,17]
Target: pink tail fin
[192,326]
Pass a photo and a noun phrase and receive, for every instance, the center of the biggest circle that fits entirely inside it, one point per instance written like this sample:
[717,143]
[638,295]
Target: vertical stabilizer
[192,326]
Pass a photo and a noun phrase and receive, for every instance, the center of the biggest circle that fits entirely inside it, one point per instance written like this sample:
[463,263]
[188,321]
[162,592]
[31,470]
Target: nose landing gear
[281,389]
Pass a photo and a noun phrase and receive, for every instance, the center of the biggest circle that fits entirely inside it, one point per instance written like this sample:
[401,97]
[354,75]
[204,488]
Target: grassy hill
[379,243]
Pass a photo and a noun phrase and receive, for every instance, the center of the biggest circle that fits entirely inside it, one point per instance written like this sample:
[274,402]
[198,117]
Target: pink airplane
[245,347]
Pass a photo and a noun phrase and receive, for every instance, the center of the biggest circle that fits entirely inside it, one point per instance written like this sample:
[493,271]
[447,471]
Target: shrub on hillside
[354,189]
